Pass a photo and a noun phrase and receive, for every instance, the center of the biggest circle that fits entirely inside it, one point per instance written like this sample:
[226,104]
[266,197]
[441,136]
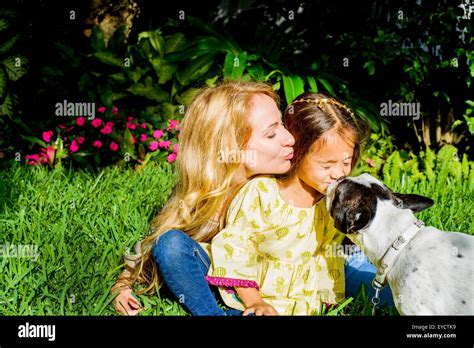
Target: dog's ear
[353,219]
[414,202]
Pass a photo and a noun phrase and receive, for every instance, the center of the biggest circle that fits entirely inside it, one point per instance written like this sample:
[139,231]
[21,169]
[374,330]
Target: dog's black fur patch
[354,205]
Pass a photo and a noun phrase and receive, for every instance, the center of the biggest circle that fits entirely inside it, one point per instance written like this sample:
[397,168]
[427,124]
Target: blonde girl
[277,253]
[230,133]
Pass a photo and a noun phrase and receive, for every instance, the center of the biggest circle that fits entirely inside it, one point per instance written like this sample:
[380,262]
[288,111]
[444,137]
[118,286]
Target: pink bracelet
[229,283]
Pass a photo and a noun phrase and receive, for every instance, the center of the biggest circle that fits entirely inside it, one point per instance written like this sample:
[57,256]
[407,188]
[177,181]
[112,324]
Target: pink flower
[164,144]
[370,162]
[142,137]
[80,140]
[134,140]
[48,154]
[74,147]
[130,125]
[107,128]
[33,159]
[144,125]
[70,128]
[171,158]
[173,124]
[158,134]
[62,126]
[80,121]
[115,110]
[96,122]
[47,136]
[97,144]
[153,145]
[102,109]
[113,146]
[175,148]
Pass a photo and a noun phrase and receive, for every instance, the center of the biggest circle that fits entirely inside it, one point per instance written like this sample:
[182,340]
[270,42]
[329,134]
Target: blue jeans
[183,265]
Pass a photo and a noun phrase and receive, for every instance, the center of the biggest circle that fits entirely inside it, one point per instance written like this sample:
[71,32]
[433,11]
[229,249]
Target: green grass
[83,223]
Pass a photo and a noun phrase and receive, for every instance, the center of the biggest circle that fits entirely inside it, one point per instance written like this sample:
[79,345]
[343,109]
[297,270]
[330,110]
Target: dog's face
[352,201]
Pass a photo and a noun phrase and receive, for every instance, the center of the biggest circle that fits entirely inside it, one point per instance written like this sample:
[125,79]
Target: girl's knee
[169,245]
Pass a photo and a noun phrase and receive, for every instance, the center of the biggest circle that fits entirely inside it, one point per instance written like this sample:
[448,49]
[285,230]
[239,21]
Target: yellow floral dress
[282,250]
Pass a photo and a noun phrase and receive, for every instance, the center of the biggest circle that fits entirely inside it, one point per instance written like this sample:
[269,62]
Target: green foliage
[374,154]
[412,60]
[444,166]
[160,72]
[444,176]
[13,65]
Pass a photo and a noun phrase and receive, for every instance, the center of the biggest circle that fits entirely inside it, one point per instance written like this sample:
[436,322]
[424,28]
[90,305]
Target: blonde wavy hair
[216,119]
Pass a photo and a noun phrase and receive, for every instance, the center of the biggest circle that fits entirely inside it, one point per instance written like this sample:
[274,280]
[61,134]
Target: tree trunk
[110,15]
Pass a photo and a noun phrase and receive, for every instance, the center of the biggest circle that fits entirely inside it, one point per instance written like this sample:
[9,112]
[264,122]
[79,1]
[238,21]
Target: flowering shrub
[108,138]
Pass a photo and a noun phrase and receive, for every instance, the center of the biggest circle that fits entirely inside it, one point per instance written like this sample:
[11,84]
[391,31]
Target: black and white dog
[430,272]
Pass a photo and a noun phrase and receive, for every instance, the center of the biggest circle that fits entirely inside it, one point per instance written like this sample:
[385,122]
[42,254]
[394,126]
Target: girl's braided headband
[324,101]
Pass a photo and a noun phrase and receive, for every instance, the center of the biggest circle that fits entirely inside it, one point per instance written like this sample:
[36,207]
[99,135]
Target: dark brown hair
[310,115]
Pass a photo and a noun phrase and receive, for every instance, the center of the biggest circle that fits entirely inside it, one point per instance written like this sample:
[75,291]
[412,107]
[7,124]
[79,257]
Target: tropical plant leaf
[4,48]
[164,71]
[327,86]
[97,39]
[15,72]
[204,26]
[186,97]
[256,71]
[195,69]
[119,77]
[3,83]
[6,109]
[156,40]
[3,24]
[203,46]
[149,91]
[313,87]
[234,66]
[293,86]
[175,43]
[108,58]
[117,41]
[35,141]
[168,111]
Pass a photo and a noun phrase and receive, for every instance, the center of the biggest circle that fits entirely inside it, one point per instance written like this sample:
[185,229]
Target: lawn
[82,223]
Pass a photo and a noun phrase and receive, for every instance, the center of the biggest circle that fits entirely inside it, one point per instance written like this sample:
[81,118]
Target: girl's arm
[254,303]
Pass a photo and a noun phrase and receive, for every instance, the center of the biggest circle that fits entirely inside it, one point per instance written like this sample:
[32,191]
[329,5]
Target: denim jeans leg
[183,265]
[360,271]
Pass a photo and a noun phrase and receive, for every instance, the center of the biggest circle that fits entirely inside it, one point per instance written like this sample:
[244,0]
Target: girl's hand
[260,308]
[126,304]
